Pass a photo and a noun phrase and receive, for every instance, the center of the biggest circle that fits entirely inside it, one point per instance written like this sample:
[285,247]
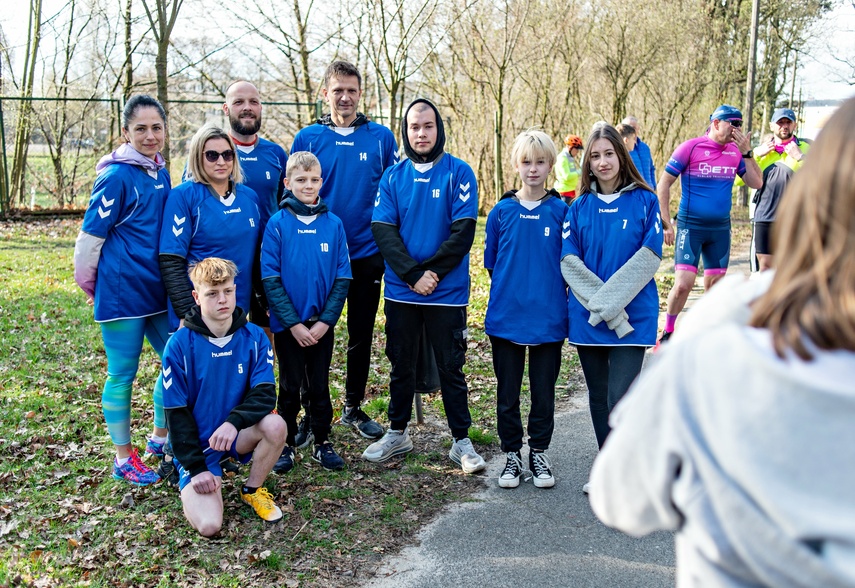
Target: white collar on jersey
[306,219]
[246,148]
[423,167]
[608,198]
[529,204]
[221,341]
[228,199]
[344,131]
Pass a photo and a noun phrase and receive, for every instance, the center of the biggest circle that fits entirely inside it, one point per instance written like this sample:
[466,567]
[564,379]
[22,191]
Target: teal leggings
[123,341]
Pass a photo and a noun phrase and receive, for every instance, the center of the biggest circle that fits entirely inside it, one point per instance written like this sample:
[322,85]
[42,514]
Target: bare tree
[162,15]
[22,133]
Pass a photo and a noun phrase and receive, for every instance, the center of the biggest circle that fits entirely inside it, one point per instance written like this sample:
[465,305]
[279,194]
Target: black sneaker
[541,474]
[285,463]
[167,470]
[229,466]
[367,427]
[665,336]
[510,476]
[304,436]
[325,455]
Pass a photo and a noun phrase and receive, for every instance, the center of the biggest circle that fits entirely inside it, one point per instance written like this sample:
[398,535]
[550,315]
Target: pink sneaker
[135,471]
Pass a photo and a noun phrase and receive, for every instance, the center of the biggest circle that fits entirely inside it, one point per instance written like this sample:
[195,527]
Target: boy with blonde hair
[305,269]
[219,396]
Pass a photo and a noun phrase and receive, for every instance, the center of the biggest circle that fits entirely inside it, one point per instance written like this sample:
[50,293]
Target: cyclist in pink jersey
[708,166]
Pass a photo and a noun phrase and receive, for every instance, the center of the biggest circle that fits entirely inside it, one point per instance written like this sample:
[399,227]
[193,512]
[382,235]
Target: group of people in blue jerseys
[257,250]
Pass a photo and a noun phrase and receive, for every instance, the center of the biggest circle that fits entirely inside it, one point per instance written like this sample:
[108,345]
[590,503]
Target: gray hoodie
[749,457]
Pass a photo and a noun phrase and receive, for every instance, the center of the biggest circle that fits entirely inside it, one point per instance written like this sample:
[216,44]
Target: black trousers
[609,371]
[363,299]
[544,364]
[309,366]
[445,328]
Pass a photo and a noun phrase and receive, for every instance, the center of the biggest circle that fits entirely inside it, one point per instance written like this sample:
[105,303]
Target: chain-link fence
[53,167]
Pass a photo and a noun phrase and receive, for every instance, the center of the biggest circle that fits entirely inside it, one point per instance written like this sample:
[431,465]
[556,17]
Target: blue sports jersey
[263,165]
[709,169]
[198,224]
[528,296]
[212,376]
[307,257]
[423,205]
[351,166]
[605,236]
[126,209]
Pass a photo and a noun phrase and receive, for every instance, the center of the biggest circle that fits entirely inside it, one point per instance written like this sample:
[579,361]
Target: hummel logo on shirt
[464,192]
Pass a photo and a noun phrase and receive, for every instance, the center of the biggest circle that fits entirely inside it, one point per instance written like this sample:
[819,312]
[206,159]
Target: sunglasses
[227,155]
[733,123]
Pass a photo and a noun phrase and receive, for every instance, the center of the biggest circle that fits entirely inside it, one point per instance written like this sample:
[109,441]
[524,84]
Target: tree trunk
[22,133]
[129,65]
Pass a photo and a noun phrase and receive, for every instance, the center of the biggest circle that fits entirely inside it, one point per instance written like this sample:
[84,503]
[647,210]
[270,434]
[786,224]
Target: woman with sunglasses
[211,214]
[116,265]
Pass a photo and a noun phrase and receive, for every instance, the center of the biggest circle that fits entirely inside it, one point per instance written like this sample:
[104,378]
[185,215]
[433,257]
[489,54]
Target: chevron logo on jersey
[107,204]
[270,356]
[377,201]
[566,232]
[465,188]
[178,222]
[167,377]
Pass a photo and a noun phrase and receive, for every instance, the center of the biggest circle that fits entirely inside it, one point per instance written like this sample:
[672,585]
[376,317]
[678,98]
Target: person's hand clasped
[205,483]
[318,330]
[302,335]
[426,284]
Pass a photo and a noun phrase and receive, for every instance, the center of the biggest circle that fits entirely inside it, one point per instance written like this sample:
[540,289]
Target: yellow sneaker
[262,502]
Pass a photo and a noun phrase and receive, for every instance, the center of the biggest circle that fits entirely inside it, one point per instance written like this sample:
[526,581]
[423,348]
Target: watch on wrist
[748,155]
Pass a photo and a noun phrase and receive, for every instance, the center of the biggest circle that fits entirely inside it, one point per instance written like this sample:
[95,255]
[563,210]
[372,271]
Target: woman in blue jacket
[116,265]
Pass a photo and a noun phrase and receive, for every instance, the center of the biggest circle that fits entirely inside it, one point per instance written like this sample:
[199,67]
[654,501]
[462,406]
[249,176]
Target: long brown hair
[627,172]
[813,240]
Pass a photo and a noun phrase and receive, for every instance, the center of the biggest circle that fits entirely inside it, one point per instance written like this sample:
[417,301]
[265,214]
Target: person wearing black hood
[353,152]
[305,270]
[219,394]
[424,224]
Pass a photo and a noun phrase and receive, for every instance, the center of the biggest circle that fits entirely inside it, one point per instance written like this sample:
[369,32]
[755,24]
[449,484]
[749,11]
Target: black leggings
[609,371]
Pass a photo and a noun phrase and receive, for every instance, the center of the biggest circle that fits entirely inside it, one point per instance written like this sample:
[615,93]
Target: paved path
[530,536]
[535,537]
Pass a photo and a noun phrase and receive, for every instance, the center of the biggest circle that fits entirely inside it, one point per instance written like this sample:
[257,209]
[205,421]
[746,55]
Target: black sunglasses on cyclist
[733,123]
[227,155]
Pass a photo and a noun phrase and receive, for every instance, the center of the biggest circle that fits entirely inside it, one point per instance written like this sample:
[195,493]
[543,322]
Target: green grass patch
[65,522]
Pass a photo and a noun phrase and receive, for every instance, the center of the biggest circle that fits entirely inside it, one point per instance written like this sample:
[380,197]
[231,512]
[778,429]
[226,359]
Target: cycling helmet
[573,141]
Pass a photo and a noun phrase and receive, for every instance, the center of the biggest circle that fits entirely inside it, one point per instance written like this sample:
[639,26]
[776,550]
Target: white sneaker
[510,476]
[463,454]
[541,474]
[391,444]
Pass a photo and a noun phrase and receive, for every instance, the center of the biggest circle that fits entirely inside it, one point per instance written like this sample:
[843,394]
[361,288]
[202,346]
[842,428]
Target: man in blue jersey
[262,162]
[708,166]
[424,224]
[353,152]
[219,396]
[641,156]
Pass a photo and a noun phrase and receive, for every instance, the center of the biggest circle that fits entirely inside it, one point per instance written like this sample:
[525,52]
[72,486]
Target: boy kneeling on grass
[219,395]
[305,268]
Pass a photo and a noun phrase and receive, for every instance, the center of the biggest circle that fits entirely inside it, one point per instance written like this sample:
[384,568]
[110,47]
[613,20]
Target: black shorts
[762,232]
